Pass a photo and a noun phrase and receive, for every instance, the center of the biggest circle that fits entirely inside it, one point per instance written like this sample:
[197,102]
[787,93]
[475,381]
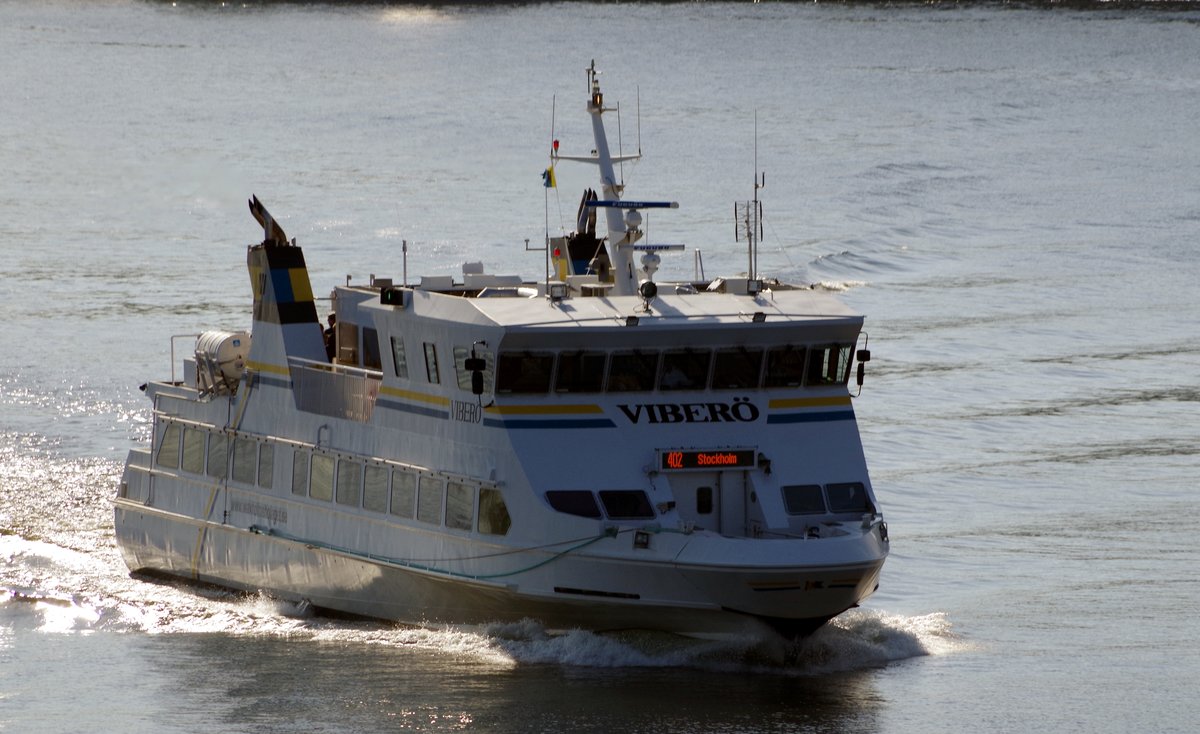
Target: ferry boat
[594,449]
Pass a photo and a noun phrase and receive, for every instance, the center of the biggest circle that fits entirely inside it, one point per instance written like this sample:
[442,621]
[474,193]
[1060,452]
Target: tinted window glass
[371,356]
[785,367]
[735,369]
[623,504]
[431,365]
[399,363]
[829,365]
[686,370]
[580,372]
[804,499]
[574,502]
[848,497]
[461,355]
[524,372]
[632,371]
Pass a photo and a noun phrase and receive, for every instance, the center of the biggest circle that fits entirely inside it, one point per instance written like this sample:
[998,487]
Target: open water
[1010,192]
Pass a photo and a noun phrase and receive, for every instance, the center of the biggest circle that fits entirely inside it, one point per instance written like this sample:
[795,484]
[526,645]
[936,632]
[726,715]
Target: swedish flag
[548,178]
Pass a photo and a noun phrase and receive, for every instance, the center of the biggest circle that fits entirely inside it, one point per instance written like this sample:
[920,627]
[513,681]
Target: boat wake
[55,590]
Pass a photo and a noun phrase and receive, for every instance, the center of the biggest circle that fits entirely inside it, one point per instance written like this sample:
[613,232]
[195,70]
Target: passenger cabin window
[300,473]
[266,465]
[168,447]
[375,488]
[580,372]
[370,349]
[848,497]
[684,370]
[460,506]
[736,369]
[574,502]
[429,500]
[320,483]
[524,372]
[399,363]
[493,513]
[218,455]
[193,450]
[632,371]
[626,504]
[245,460]
[829,365]
[404,493]
[431,365]
[461,355]
[804,499]
[349,482]
[785,367]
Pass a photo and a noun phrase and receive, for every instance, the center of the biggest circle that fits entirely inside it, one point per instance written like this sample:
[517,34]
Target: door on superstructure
[711,500]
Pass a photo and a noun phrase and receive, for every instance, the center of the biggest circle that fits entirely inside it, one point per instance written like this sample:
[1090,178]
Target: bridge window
[632,371]
[431,367]
[524,372]
[829,365]
[785,367]
[848,497]
[375,488]
[461,355]
[737,369]
[399,362]
[804,499]
[580,372]
[574,502]
[685,370]
[626,504]
[493,513]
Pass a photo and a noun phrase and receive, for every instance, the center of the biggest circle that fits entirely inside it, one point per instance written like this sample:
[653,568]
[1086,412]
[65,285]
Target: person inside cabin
[330,339]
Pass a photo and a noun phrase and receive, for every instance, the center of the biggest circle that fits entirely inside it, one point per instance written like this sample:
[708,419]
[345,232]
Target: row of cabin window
[198,451]
[734,368]
[813,499]
[619,504]
[400,493]
[370,486]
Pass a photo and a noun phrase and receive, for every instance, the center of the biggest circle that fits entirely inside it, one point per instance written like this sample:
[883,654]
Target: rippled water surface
[1010,193]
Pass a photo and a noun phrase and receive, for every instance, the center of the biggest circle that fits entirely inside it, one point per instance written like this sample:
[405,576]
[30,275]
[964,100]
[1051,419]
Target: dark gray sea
[1010,192]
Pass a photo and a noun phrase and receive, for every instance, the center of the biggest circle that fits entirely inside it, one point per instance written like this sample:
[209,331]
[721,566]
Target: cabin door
[712,500]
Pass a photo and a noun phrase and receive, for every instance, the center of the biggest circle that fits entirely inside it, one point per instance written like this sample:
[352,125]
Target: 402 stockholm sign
[717,459]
